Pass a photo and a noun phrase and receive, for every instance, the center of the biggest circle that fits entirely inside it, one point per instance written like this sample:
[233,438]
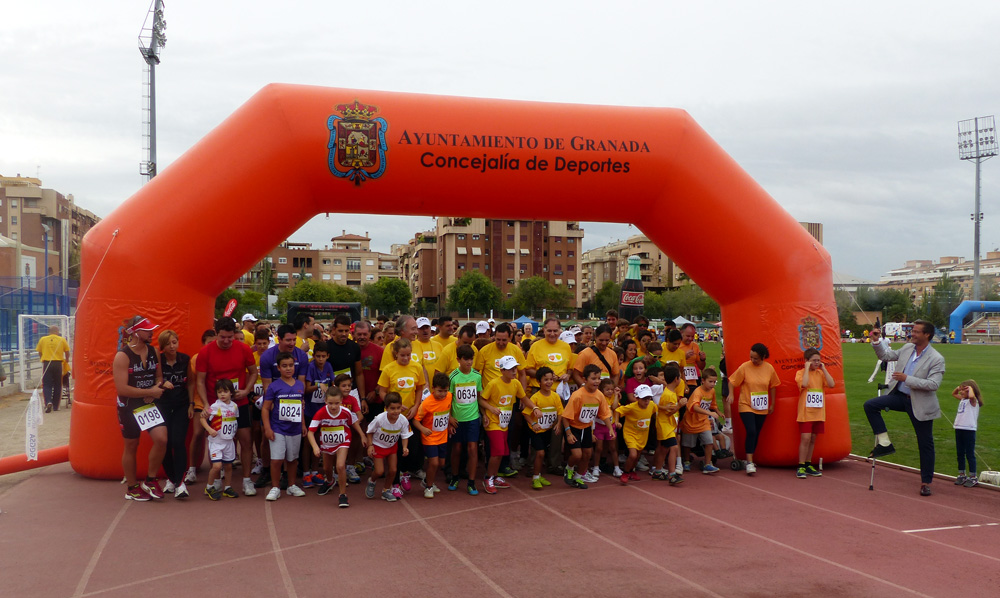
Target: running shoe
[428,492]
[307,481]
[801,473]
[960,479]
[589,478]
[675,479]
[342,502]
[925,490]
[617,472]
[709,468]
[751,469]
[389,496]
[489,486]
[661,475]
[404,482]
[433,487]
[324,489]
[294,490]
[370,488]
[810,470]
[397,491]
[181,491]
[365,464]
[643,464]
[249,488]
[624,479]
[726,429]
[633,476]
[544,481]
[258,466]
[153,488]
[453,483]
[971,481]
[471,488]
[319,479]
[191,476]
[536,483]
[499,482]
[48,408]
[212,492]
[360,467]
[230,493]
[274,493]
[283,482]
[352,475]
[687,466]
[264,479]
[168,487]
[136,493]
[596,472]
[507,472]
[419,474]
[577,483]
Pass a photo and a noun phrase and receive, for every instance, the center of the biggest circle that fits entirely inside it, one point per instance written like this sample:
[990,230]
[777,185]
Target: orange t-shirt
[434,413]
[754,381]
[691,372]
[589,356]
[695,422]
[584,407]
[812,399]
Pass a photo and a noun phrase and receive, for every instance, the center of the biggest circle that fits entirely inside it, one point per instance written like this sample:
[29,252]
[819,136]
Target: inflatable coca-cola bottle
[631,304]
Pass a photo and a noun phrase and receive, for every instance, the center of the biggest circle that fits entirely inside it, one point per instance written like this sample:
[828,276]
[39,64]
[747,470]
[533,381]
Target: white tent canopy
[681,320]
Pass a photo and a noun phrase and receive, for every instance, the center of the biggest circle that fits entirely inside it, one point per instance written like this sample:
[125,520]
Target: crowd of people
[386,404]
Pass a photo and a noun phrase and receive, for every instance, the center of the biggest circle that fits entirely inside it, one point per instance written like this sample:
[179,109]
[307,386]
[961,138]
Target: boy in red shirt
[334,422]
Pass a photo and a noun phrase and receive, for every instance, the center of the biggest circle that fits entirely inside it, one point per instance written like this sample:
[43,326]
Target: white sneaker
[588,477]
[273,493]
[617,472]
[249,490]
[643,461]
[428,493]
[295,491]
[258,466]
[596,472]
[181,491]
[642,465]
[726,429]
[190,477]
[751,469]
[419,474]
[169,487]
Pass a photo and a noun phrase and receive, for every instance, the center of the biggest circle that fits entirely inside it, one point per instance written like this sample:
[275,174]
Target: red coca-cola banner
[633,299]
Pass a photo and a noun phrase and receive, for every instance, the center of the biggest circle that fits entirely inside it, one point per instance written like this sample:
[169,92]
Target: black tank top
[140,374]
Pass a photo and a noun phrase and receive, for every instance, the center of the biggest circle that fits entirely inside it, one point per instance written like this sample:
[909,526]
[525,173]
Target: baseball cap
[143,324]
[248,317]
[421,322]
[491,321]
[643,391]
[568,336]
[482,327]
[507,362]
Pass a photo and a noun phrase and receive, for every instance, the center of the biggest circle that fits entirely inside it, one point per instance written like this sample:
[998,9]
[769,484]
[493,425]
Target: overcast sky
[845,113]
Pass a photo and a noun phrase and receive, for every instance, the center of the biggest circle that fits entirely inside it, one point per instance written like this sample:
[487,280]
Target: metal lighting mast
[151,39]
[977,140]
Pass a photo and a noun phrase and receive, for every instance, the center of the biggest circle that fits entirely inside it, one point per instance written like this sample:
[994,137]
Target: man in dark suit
[918,374]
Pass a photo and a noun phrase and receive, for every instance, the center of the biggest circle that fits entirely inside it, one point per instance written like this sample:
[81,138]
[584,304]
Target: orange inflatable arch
[292,152]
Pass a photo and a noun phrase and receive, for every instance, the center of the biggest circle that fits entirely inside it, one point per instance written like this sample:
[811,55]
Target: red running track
[723,535]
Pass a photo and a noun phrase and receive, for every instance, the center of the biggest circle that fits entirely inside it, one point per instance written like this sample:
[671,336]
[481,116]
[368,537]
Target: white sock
[883,439]
[680,464]
[536,476]
[729,443]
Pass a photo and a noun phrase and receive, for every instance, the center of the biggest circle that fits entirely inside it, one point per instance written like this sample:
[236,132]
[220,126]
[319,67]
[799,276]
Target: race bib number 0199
[148,416]
[814,398]
[758,401]
[289,410]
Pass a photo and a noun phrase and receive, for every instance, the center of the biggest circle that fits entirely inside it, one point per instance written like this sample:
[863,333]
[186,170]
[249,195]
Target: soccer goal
[30,328]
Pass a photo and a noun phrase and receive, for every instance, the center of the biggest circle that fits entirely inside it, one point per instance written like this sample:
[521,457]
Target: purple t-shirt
[286,408]
[269,362]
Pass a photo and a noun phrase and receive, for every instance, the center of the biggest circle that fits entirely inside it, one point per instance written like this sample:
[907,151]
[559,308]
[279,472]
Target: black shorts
[126,419]
[243,419]
[540,441]
[669,442]
[584,438]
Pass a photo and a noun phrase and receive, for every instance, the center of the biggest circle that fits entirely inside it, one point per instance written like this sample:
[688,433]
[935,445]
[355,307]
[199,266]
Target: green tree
[534,293]
[474,292]
[845,309]
[310,290]
[607,297]
[267,284]
[388,295]
[74,264]
[943,300]
[254,302]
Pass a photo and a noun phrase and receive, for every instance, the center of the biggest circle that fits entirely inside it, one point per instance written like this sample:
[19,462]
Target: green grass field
[962,362]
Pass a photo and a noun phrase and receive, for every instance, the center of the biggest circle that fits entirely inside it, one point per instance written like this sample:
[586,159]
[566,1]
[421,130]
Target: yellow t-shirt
[306,344]
[248,337]
[551,407]
[637,422]
[387,357]
[676,356]
[501,395]
[557,356]
[812,399]
[448,361]
[402,379]
[444,342]
[489,355]
[52,348]
[430,355]
[754,382]
[666,423]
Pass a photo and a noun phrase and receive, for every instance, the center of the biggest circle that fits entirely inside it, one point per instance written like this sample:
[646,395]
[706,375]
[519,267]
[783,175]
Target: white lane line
[282,567]
[624,549]
[783,545]
[936,529]
[458,554]
[82,586]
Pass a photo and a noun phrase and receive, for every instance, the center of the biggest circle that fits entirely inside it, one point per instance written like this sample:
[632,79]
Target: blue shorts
[436,450]
[467,431]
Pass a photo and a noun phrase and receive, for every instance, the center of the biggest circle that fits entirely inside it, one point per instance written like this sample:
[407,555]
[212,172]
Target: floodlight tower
[977,140]
[151,39]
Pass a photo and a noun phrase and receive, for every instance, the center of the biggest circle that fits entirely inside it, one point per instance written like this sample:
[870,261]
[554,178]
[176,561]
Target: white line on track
[282,567]
[85,579]
[936,529]
[458,553]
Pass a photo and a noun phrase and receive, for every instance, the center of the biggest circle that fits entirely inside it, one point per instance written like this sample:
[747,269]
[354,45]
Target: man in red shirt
[371,357]
[233,360]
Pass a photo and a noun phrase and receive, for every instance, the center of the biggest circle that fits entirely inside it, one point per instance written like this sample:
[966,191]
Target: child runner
[388,429]
[696,427]
[334,422]
[405,377]
[350,398]
[498,403]
[283,425]
[603,438]
[221,428]
[757,381]
[262,342]
[584,406]
[671,401]
[319,374]
[966,423]
[432,421]
[638,416]
[466,386]
[550,408]
[812,408]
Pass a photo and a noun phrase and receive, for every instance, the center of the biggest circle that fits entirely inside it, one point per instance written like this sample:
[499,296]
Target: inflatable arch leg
[965,308]
[292,152]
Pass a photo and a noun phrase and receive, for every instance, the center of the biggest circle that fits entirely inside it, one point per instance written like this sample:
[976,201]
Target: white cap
[434,328]
[507,362]
[568,336]
[482,327]
[248,317]
[421,322]
[491,321]
[643,391]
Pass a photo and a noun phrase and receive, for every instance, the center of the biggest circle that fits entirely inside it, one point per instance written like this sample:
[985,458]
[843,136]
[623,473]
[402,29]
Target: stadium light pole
[977,140]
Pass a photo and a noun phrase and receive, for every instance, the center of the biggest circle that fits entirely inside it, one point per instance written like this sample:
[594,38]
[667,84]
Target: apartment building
[920,276]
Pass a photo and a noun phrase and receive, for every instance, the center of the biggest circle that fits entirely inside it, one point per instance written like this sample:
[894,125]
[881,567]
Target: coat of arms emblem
[810,334]
[357,142]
